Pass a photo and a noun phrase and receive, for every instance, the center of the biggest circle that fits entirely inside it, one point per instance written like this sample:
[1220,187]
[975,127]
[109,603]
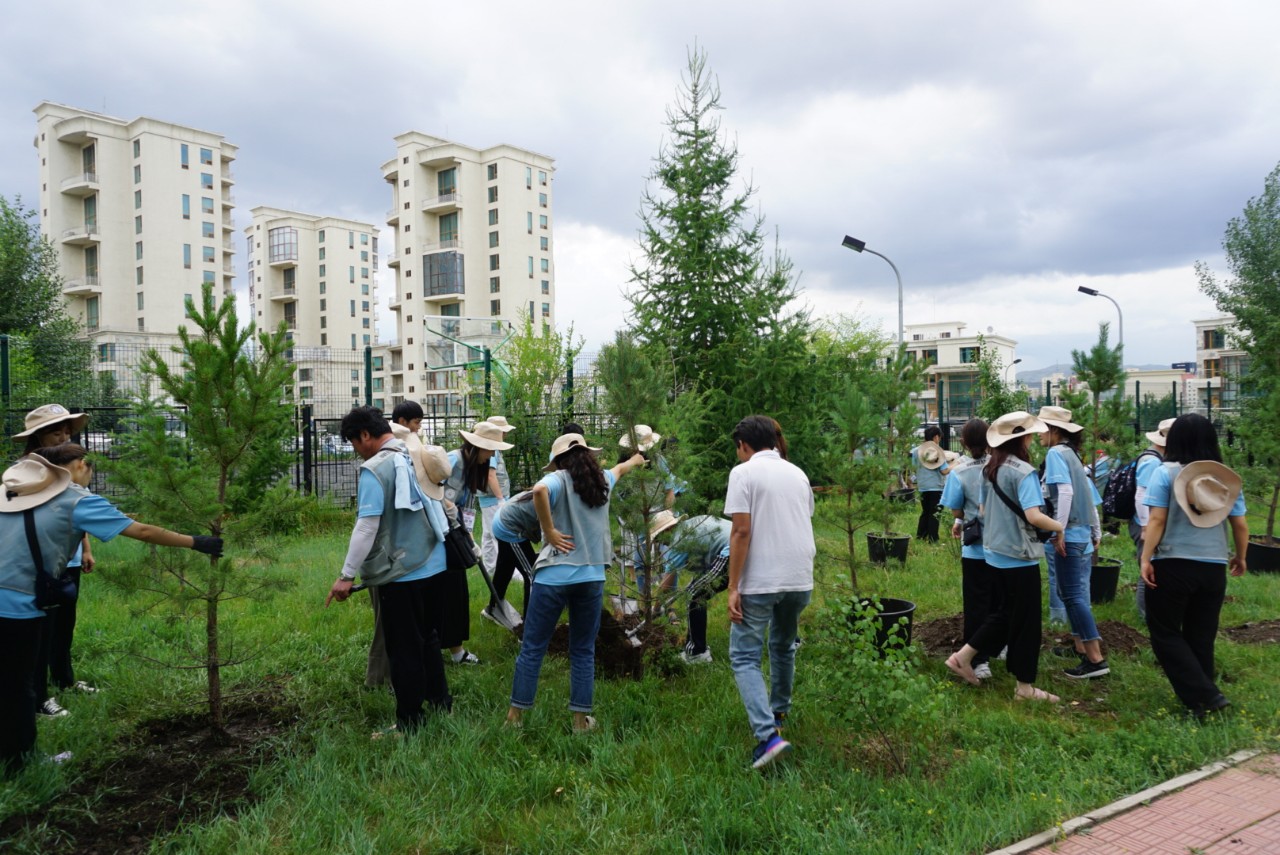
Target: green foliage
[860,475]
[1108,421]
[212,463]
[1251,244]
[1256,453]
[995,398]
[872,679]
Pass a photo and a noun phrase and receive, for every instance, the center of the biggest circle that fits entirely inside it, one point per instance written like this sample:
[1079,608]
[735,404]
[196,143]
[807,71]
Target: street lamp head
[1016,361]
[1092,292]
[853,243]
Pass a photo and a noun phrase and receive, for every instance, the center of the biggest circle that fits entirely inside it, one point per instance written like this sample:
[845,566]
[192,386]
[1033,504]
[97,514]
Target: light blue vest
[1181,539]
[1003,531]
[970,475]
[1082,495]
[405,538]
[588,527]
[702,538]
[519,516]
[55,532]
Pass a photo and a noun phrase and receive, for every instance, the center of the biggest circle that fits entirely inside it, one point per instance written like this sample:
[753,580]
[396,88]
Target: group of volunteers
[1008,515]
[411,547]
[413,506]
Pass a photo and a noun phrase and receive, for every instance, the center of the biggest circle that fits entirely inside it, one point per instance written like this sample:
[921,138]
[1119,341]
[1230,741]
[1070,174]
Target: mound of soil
[170,771]
[1255,632]
[943,636]
[616,656]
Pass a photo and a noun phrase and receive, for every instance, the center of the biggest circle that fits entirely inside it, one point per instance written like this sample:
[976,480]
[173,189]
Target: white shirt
[778,497]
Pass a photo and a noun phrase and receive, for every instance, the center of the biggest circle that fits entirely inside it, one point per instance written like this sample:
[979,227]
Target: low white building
[951,354]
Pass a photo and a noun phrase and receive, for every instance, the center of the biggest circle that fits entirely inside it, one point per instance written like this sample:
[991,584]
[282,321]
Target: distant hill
[1037,376]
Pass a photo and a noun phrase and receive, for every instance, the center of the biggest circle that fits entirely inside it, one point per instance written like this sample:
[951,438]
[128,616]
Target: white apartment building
[1219,364]
[140,212]
[317,275]
[951,355]
[472,255]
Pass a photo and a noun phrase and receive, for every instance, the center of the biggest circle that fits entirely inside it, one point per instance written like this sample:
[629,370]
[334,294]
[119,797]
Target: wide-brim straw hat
[486,435]
[1013,425]
[501,423]
[952,456]
[1206,490]
[51,414]
[1160,435]
[1060,418]
[30,483]
[562,444]
[930,455]
[435,463]
[662,521]
[645,438]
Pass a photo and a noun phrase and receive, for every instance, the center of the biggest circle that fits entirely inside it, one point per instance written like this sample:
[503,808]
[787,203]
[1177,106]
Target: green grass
[668,772]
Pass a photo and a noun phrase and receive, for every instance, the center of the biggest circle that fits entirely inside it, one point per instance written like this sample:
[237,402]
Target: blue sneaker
[768,751]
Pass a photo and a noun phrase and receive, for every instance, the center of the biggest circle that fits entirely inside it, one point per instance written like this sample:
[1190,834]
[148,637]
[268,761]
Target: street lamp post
[861,246]
[1007,367]
[1094,292]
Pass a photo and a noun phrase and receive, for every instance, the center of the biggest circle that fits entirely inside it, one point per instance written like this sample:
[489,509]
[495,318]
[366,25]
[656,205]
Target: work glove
[208,544]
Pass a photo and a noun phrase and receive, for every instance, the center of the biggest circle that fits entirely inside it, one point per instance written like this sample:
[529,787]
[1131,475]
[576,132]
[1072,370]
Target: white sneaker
[702,658]
[982,672]
[52,709]
[1004,651]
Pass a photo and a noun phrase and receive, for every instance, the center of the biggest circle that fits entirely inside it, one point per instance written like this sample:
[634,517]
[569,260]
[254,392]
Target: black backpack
[1119,498]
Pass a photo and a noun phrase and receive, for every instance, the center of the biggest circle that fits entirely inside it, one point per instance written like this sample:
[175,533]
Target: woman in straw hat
[1192,499]
[1010,508]
[45,427]
[930,462]
[490,499]
[572,504]
[1075,500]
[1145,466]
[470,476]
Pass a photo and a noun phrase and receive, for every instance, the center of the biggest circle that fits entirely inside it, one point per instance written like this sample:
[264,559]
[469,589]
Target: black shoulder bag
[1041,535]
[51,591]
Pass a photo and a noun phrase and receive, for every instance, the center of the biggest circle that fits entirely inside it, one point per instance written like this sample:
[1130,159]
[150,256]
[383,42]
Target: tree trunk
[849,529]
[213,663]
[1271,513]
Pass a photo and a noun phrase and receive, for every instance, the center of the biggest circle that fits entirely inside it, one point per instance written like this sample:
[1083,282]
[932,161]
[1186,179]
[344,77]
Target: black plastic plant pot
[883,546]
[1263,557]
[891,611]
[1104,579]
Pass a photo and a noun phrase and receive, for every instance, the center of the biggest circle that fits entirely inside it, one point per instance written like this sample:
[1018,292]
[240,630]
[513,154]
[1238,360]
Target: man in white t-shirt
[771,553]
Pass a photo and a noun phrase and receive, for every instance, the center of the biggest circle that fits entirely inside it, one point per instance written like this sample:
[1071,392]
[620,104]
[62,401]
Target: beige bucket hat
[1206,490]
[930,455]
[1010,425]
[486,435]
[645,438]
[501,423]
[31,482]
[1160,435]
[51,414]
[562,444]
[662,521]
[1060,418]
[436,466]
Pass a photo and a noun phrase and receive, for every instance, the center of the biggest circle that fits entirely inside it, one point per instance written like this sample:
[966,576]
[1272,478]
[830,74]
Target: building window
[137,275]
[542,178]
[493,195]
[528,177]
[447,181]
[304,391]
[322,253]
[970,354]
[364,287]
[546,286]
[930,357]
[364,273]
[546,310]
[546,265]
[1214,340]
[207,254]
[322,287]
[495,307]
[542,200]
[137,250]
[206,204]
[494,285]
[1212,368]
[187,305]
[493,239]
[186,256]
[320,236]
[137,173]
[493,261]
[142,325]
[493,172]
[444,274]
[91,313]
[364,322]
[106,353]
[282,244]
[184,156]
[206,180]
[208,276]
[186,207]
[448,228]
[529,221]
[351,274]
[141,301]
[206,156]
[322,267]
[944,335]
[364,254]
[324,322]
[493,216]
[364,305]
[365,339]
[364,239]
[542,221]
[324,304]
[917,336]
[353,308]
[137,225]
[531,267]
[324,339]
[206,230]
[544,243]
[137,199]
[137,148]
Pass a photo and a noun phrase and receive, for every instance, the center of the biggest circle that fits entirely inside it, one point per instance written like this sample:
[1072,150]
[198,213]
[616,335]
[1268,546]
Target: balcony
[448,243]
[284,295]
[82,235]
[393,262]
[290,322]
[227,180]
[283,260]
[84,286]
[84,184]
[393,216]
[443,204]
[227,268]
[227,225]
[228,201]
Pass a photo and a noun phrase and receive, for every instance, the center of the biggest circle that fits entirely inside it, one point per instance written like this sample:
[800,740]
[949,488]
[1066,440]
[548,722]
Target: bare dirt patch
[1254,632]
[167,772]
[616,656]
[943,636]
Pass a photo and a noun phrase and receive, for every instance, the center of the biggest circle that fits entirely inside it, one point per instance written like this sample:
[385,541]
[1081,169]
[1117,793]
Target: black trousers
[53,664]
[981,590]
[927,527]
[412,613]
[20,641]
[507,565]
[697,640]
[455,626]
[1016,622]
[1182,617]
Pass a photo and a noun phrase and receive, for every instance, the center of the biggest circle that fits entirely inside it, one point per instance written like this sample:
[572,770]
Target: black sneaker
[1087,670]
[1067,652]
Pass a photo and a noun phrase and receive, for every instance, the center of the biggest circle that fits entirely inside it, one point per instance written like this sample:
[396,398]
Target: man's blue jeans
[1074,571]
[779,613]
[546,603]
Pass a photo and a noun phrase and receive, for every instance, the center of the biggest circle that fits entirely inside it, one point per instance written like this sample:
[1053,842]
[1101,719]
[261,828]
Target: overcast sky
[1001,153]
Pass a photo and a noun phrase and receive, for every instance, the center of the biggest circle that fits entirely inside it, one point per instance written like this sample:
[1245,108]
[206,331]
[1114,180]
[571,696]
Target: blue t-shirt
[1057,471]
[1147,463]
[369,503]
[569,574]
[1196,544]
[953,498]
[93,515]
[1029,496]
[501,532]
[487,499]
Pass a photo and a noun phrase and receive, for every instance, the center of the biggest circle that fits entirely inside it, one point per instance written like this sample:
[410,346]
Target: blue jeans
[1057,609]
[1074,571]
[546,603]
[779,613]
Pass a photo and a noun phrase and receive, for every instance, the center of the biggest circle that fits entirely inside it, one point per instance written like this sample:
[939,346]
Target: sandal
[964,672]
[589,725]
[1036,695]
[392,732]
